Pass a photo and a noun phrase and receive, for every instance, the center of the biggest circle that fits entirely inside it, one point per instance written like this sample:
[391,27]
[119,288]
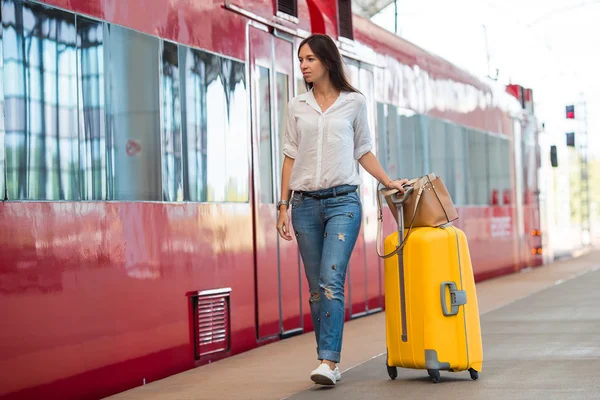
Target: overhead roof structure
[368,8]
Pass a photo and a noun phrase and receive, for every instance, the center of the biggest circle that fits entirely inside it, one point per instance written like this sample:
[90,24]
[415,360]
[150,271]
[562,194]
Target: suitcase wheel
[434,374]
[474,374]
[392,372]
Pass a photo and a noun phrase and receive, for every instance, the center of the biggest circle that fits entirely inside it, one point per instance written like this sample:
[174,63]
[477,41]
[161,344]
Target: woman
[327,131]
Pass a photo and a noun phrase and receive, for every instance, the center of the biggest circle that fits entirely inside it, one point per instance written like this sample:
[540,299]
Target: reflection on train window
[447,157]
[94,112]
[215,128]
[528,154]
[420,130]
[499,172]
[238,132]
[90,52]
[475,165]
[478,169]
[439,156]
[300,86]
[40,76]
[457,173]
[264,129]
[367,88]
[197,66]
[394,137]
[132,112]
[282,106]
[216,125]
[408,127]
[352,72]
[171,124]
[389,138]
[382,136]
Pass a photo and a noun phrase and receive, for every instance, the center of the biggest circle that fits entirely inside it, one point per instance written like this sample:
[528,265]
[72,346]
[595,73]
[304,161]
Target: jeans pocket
[352,198]
[297,199]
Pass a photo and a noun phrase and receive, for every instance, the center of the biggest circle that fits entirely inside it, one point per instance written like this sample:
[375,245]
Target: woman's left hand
[398,184]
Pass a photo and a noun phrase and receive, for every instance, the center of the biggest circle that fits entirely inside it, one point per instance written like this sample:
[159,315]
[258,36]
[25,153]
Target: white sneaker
[323,375]
[338,374]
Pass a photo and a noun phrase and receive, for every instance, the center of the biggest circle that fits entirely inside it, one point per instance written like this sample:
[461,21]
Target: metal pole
[585,186]
[396,17]
[487,52]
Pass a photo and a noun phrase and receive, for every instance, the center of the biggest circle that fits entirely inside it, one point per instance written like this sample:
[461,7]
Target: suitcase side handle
[457,298]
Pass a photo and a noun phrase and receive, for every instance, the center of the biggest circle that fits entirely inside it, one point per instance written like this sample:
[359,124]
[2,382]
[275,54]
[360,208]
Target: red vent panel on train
[345,18]
[289,7]
[211,321]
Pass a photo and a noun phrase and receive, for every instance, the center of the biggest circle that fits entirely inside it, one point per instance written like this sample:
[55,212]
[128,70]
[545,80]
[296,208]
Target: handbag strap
[401,237]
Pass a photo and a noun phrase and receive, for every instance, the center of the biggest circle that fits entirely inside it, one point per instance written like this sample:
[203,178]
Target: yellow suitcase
[432,316]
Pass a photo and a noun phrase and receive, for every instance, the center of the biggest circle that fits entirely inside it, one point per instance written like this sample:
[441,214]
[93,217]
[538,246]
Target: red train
[139,167]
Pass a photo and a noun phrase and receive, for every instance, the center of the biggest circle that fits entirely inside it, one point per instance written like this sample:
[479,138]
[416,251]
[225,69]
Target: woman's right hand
[283,224]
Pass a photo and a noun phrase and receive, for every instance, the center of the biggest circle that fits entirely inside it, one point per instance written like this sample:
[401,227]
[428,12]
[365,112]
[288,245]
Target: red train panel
[101,296]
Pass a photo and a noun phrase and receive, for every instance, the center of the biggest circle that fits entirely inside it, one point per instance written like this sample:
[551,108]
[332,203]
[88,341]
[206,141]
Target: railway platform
[541,338]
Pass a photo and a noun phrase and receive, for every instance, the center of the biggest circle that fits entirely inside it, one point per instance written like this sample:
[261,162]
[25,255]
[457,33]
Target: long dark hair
[327,52]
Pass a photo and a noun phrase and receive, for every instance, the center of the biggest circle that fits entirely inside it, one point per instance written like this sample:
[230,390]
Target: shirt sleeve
[362,134]
[290,139]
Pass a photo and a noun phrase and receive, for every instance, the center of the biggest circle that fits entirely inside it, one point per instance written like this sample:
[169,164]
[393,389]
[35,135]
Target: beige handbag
[426,203]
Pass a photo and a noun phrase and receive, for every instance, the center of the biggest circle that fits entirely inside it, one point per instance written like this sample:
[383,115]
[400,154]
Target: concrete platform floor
[541,337]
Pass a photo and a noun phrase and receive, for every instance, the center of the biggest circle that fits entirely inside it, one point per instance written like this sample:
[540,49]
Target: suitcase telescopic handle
[457,298]
[400,200]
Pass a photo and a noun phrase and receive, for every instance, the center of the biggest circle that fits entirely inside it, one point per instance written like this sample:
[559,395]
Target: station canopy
[368,8]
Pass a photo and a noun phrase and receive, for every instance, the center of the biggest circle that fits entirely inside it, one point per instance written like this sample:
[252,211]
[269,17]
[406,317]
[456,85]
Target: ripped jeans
[326,230]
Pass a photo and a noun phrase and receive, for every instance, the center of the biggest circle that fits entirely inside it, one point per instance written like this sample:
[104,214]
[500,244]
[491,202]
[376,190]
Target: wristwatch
[283,203]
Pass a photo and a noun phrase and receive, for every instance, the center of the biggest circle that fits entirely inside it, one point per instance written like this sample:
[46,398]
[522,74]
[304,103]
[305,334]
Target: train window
[439,155]
[87,105]
[282,103]
[353,72]
[421,164]
[265,140]
[200,69]
[382,136]
[409,131]
[238,132]
[367,88]
[215,128]
[448,157]
[90,55]
[2,180]
[478,187]
[499,169]
[300,86]
[387,117]
[401,141]
[132,112]
[171,124]
[457,168]
[529,164]
[40,75]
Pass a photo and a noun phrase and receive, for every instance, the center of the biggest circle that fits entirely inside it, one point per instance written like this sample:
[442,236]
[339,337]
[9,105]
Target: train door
[521,245]
[356,296]
[369,193]
[290,272]
[278,306]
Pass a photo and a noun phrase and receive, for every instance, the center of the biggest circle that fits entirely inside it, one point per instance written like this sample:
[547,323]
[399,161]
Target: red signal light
[571,112]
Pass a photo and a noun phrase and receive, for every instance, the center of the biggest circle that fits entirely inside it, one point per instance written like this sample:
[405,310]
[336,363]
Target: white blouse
[326,144]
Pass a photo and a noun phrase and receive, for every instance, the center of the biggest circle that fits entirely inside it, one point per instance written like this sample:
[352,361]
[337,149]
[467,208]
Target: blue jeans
[326,230]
